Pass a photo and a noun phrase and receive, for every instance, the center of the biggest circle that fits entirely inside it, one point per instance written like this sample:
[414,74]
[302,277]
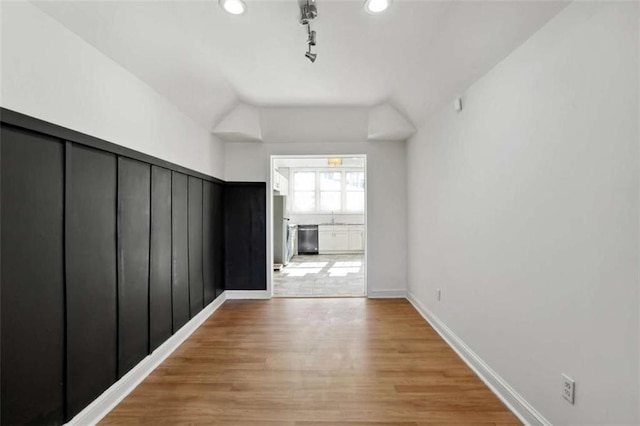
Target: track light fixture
[312,37]
[309,12]
[311,56]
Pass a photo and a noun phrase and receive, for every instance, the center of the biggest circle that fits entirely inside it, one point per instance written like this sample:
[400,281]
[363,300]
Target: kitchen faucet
[333,220]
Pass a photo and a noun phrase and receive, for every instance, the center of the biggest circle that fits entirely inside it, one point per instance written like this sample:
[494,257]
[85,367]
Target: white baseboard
[514,401]
[247,294]
[387,294]
[106,402]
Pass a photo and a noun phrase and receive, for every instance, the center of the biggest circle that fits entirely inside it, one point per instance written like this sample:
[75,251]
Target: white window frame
[343,189]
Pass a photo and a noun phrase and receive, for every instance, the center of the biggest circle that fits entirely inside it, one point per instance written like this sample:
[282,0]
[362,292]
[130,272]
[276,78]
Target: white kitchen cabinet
[284,185]
[340,238]
[356,238]
[280,183]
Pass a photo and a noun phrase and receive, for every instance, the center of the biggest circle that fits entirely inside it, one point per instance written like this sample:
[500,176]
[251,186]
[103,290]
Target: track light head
[311,56]
[312,38]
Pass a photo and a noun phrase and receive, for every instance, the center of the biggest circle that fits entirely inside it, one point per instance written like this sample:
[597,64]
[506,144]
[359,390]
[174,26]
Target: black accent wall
[180,250]
[134,210]
[160,303]
[105,253]
[196,285]
[219,239]
[91,274]
[208,242]
[246,236]
[32,278]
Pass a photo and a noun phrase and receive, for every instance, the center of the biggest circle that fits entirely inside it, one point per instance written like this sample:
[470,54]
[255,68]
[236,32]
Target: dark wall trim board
[107,252]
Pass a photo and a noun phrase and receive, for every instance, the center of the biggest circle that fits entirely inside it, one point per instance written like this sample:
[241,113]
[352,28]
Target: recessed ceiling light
[234,7]
[376,6]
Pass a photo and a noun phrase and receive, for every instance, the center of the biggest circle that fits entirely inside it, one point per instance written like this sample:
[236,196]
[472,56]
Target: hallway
[313,362]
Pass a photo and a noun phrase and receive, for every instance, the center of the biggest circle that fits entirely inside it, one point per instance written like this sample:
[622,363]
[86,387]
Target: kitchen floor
[321,275]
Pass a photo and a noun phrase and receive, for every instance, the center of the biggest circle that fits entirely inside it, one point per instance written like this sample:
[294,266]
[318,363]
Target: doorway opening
[319,226]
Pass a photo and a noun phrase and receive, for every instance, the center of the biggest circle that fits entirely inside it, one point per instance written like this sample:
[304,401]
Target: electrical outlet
[568,388]
[438,295]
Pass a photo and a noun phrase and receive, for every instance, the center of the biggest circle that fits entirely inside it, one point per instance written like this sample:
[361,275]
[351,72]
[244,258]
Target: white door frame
[270,215]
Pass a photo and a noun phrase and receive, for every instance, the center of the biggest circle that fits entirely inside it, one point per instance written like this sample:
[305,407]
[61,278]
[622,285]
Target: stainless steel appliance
[280,229]
[292,237]
[308,239]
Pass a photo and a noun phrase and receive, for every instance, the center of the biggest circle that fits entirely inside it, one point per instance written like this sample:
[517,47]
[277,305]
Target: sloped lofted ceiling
[417,55]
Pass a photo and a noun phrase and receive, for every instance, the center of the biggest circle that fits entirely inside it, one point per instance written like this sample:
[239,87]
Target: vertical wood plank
[160,312]
[134,199]
[91,282]
[179,250]
[32,278]
[196,291]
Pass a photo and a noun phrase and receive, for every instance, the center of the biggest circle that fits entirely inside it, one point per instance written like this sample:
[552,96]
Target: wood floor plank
[313,362]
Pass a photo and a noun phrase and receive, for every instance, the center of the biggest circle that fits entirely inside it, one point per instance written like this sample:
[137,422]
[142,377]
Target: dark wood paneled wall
[160,304]
[196,285]
[134,211]
[180,250]
[105,253]
[218,237]
[32,277]
[91,281]
[246,236]
[208,236]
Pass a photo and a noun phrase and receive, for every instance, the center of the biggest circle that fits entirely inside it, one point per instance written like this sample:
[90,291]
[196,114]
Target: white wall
[50,73]
[524,210]
[386,198]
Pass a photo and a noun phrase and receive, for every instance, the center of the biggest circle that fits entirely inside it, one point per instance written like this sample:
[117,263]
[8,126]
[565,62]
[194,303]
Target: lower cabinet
[356,238]
[340,238]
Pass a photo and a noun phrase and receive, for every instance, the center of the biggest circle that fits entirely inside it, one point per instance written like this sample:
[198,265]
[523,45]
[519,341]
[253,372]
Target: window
[324,191]
[330,191]
[354,191]
[304,199]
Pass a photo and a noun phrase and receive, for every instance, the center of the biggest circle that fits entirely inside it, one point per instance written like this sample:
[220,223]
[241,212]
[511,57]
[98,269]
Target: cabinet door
[341,240]
[276,181]
[325,241]
[356,240]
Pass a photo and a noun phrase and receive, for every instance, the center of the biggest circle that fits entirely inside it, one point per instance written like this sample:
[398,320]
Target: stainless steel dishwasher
[308,239]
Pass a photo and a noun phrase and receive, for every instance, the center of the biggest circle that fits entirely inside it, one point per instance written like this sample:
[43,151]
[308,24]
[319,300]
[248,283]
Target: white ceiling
[417,55]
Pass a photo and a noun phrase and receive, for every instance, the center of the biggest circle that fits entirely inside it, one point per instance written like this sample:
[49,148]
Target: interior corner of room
[430,210]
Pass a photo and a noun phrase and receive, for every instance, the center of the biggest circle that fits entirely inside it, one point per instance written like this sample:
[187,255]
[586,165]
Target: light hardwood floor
[307,362]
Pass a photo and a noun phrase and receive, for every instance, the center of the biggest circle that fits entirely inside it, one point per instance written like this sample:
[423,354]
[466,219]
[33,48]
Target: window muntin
[323,191]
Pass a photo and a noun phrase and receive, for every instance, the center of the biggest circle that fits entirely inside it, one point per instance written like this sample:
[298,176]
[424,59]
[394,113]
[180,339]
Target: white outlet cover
[568,388]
